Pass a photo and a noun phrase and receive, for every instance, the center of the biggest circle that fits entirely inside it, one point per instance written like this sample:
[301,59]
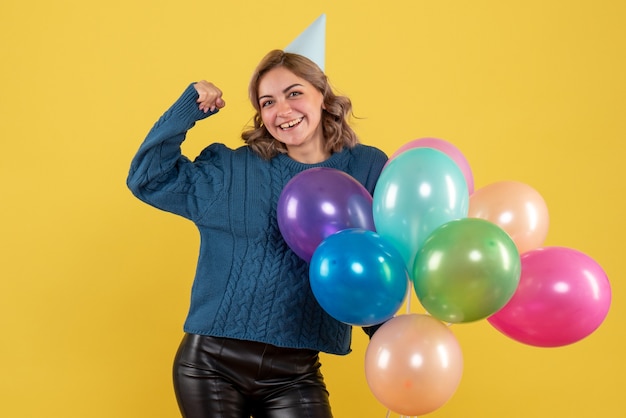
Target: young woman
[254,328]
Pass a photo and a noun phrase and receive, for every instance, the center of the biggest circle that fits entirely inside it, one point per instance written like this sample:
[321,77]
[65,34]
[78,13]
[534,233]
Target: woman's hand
[210,97]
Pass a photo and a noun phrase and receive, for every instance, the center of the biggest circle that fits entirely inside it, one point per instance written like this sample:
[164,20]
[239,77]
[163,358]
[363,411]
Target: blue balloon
[358,277]
[417,192]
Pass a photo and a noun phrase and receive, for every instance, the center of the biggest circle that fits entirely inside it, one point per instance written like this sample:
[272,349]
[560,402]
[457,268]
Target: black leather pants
[226,378]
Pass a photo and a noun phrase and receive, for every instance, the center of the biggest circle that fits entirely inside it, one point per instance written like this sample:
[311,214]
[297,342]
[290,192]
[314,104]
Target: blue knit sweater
[248,285]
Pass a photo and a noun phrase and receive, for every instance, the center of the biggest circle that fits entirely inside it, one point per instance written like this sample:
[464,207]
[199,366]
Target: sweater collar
[334,161]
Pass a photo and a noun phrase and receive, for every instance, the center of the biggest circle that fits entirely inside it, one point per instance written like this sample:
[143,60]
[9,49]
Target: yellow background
[94,284]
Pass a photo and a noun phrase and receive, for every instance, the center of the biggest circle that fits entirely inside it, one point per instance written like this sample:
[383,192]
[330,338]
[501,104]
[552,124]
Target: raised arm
[159,174]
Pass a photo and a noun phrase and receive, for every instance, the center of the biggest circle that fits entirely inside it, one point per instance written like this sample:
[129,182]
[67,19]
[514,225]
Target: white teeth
[291,123]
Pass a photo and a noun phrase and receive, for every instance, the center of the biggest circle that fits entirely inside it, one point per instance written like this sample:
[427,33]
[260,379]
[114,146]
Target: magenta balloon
[318,202]
[562,297]
[445,147]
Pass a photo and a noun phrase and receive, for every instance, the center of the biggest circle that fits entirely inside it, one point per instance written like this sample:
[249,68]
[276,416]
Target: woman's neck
[312,154]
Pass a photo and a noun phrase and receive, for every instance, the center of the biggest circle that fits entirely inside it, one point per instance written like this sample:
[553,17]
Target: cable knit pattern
[248,284]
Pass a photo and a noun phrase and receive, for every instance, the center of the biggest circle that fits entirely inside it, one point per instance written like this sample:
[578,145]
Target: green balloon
[467,270]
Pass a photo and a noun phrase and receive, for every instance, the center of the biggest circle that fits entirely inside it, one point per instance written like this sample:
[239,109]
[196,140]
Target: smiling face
[291,110]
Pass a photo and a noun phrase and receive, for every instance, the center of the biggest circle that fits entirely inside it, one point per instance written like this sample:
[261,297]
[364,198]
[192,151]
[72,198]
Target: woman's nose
[283,108]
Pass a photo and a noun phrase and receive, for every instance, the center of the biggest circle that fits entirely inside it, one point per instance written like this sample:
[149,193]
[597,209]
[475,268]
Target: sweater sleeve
[161,176]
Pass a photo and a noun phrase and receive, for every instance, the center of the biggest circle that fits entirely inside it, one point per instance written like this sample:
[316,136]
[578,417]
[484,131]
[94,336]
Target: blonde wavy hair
[338,109]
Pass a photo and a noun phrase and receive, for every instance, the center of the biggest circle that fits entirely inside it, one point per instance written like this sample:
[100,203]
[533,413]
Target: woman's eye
[294,93]
[266,103]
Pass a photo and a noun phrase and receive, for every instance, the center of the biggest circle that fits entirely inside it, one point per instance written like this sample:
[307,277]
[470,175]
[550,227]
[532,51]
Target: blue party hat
[312,42]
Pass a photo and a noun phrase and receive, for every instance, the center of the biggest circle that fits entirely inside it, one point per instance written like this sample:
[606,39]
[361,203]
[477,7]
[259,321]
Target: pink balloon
[413,364]
[445,147]
[563,296]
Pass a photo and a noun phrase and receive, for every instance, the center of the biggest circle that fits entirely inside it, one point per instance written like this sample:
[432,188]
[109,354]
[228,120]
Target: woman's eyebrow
[269,96]
[292,86]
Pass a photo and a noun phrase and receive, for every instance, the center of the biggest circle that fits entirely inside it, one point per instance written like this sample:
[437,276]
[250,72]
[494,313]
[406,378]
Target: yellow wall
[94,284]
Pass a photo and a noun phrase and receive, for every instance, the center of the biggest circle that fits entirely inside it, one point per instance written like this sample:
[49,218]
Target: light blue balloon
[358,277]
[418,191]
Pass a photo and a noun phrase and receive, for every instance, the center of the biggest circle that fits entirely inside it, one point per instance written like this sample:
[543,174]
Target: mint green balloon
[467,270]
[418,191]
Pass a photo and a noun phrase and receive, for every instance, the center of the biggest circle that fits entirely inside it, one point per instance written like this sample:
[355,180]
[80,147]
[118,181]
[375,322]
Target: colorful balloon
[467,270]
[358,277]
[413,364]
[515,207]
[563,296]
[446,147]
[420,190]
[317,203]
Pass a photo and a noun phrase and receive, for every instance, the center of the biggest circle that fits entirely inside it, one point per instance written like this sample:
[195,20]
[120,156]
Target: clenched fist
[209,96]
